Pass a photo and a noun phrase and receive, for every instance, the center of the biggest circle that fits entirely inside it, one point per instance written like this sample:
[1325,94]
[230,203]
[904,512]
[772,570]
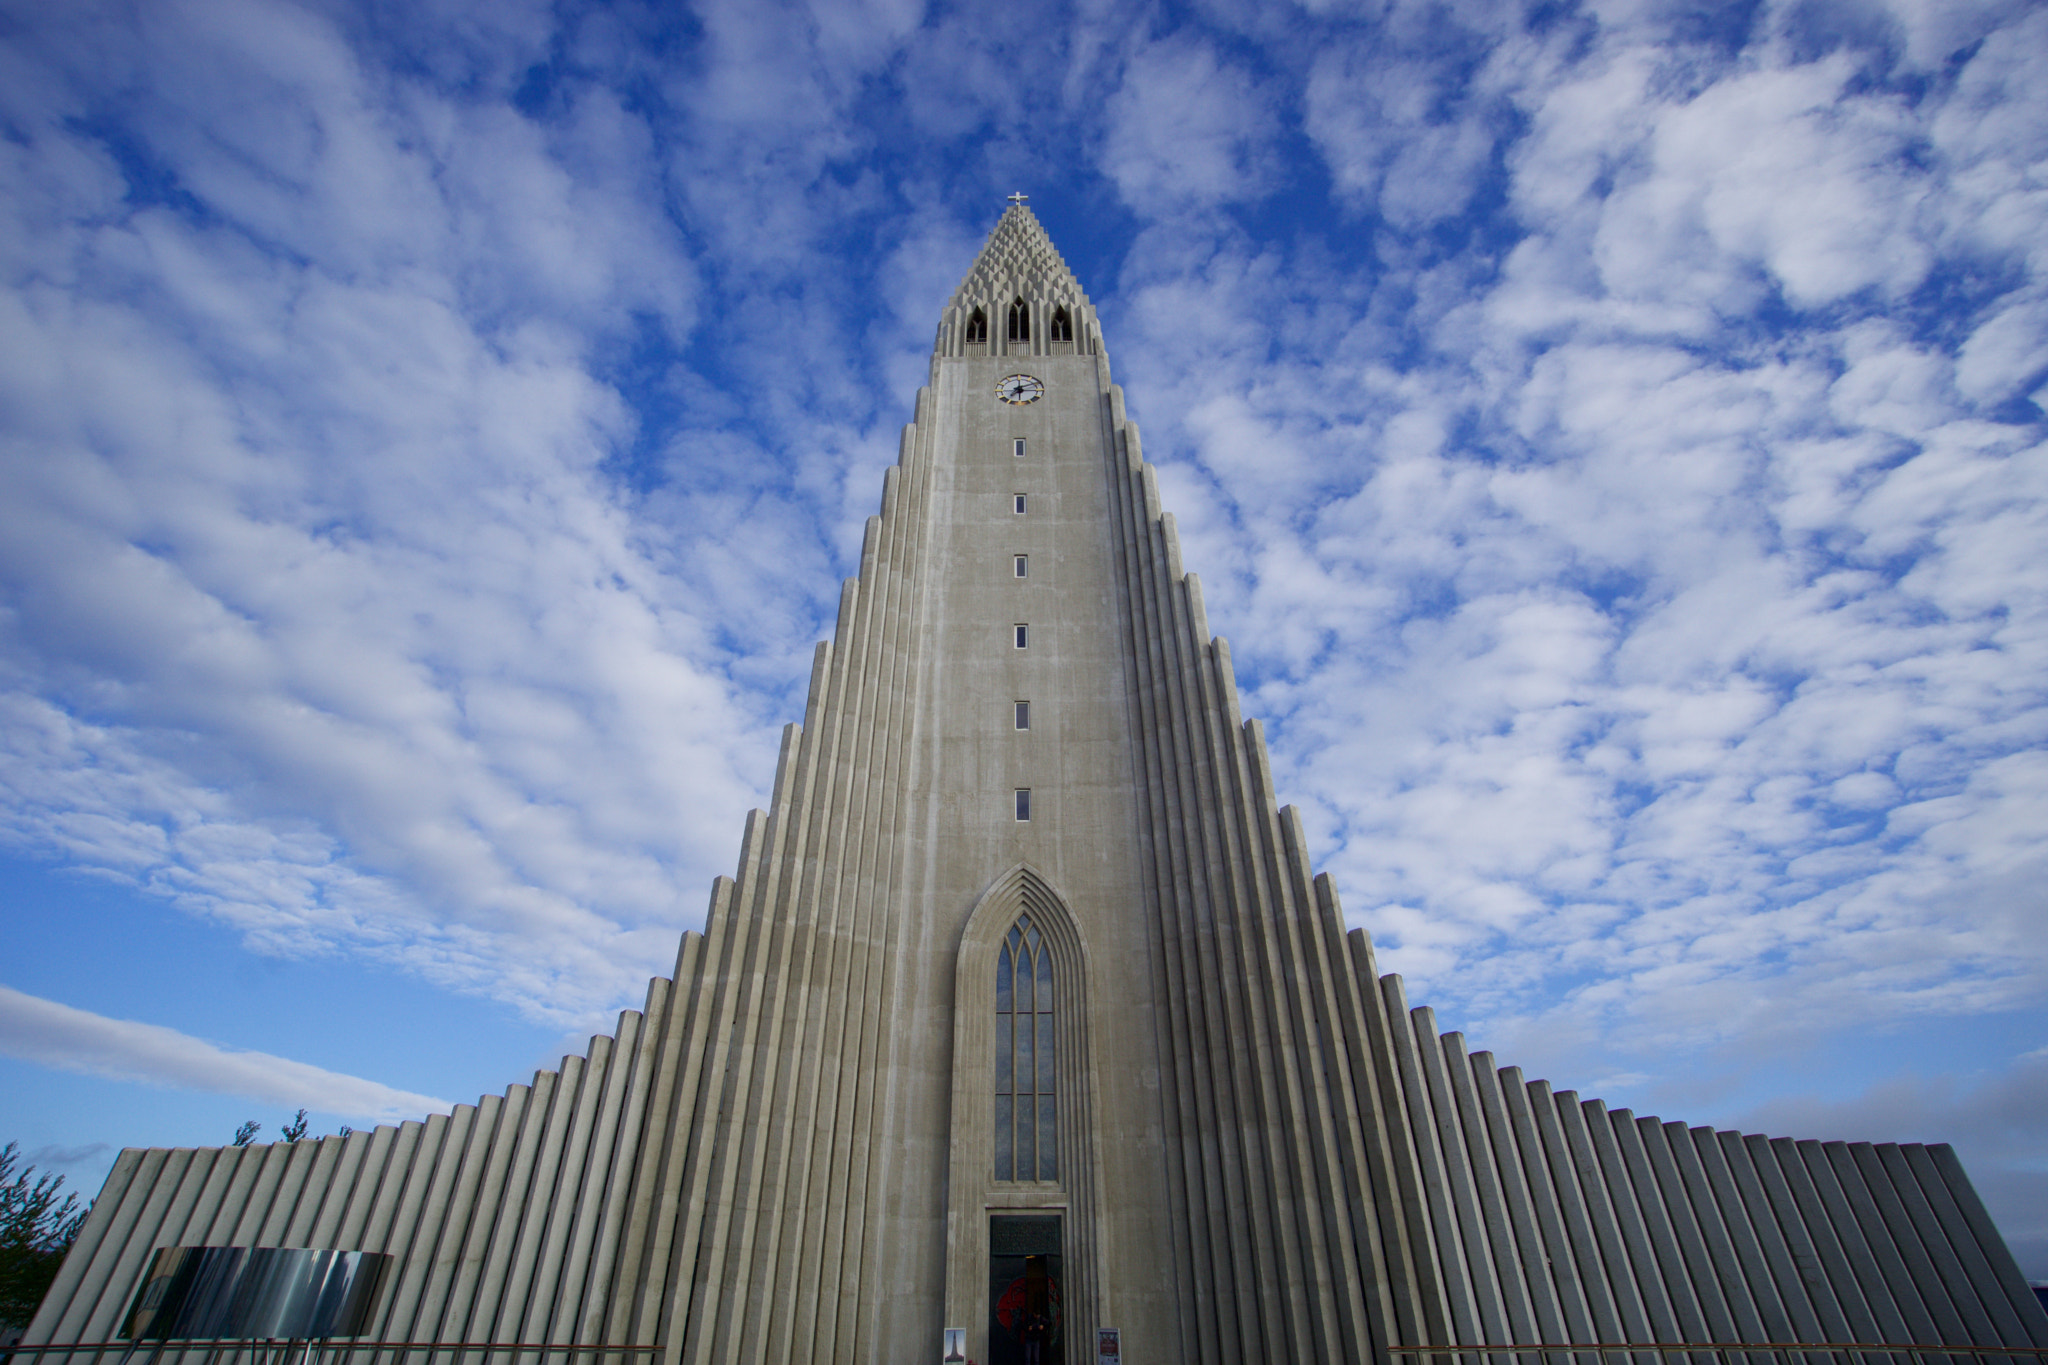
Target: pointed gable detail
[1018,266]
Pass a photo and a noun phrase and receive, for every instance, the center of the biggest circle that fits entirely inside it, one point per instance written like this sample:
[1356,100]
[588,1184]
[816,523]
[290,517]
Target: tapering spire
[1018,263]
[1019,253]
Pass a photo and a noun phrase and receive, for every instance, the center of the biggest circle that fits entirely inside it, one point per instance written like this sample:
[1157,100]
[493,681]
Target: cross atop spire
[1019,197]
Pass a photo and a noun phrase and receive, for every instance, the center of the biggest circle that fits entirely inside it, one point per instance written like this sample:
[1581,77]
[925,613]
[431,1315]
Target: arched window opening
[1027,1105]
[1062,325]
[1020,321]
[977,327]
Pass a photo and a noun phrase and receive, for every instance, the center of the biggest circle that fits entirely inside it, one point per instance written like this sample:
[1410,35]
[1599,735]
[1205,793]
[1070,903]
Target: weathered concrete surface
[1263,1153]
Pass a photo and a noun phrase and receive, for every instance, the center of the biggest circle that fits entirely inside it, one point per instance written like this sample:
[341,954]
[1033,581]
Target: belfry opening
[1026,1030]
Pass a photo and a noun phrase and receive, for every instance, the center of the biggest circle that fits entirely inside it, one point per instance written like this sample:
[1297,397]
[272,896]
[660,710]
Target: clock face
[1020,389]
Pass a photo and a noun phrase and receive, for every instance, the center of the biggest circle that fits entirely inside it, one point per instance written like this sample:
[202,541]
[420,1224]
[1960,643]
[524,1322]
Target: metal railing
[321,1351]
[1722,1352]
[341,1351]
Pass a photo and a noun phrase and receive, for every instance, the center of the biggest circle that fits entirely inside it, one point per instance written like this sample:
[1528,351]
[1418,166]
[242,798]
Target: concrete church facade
[1024,1002]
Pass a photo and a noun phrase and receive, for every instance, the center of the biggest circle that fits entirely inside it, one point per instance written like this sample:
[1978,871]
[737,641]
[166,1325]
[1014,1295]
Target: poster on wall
[1108,1346]
[956,1346]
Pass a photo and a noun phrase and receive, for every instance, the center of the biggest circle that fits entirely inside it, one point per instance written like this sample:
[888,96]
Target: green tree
[296,1129]
[247,1133]
[36,1229]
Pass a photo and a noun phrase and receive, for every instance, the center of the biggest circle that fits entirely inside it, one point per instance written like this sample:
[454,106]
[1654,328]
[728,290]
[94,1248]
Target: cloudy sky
[1611,435]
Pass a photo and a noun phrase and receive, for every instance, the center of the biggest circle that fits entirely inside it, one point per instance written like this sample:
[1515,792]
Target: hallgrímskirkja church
[1025,1028]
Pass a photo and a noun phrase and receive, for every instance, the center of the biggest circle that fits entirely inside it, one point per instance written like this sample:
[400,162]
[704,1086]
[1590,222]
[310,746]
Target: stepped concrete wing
[1025,1017]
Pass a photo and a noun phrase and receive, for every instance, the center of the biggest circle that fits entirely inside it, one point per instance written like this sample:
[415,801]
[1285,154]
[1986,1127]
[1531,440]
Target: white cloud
[51,1034]
[1784,169]
[1185,127]
[1632,648]
[2007,356]
[324,619]
[1936,30]
[1397,134]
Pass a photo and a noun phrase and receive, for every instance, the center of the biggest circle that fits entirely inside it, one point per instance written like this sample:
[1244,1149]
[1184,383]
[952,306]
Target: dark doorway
[1024,1277]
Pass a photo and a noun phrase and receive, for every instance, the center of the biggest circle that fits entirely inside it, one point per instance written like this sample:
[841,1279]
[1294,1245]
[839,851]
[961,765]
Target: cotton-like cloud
[2008,356]
[51,1034]
[1779,167]
[1652,690]
[1186,127]
[323,620]
[1404,137]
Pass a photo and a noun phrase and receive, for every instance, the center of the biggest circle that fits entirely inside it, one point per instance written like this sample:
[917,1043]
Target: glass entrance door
[1025,1326]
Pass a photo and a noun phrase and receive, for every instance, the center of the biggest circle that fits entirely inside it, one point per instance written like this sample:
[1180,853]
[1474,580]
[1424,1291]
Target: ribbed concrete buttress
[1022,740]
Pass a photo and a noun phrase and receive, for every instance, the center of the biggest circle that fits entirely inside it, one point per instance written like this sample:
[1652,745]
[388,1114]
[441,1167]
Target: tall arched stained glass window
[1027,1107]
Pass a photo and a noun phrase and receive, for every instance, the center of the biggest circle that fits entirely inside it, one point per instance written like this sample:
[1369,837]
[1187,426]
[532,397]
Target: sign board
[1108,1346]
[1015,1235]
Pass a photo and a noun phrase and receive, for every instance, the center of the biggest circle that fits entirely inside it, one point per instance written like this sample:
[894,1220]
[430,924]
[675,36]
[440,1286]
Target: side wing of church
[1025,1015]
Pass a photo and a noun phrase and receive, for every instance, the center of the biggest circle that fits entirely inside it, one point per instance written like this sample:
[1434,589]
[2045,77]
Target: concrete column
[1594,1195]
[1467,1223]
[1898,1287]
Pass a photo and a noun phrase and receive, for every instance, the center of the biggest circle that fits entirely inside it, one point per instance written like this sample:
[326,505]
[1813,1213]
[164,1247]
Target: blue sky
[1610,434]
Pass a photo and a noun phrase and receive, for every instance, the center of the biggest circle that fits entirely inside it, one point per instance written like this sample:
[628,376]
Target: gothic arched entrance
[1025,1274]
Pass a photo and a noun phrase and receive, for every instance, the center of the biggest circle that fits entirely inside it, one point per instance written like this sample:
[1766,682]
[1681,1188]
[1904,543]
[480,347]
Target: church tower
[1024,1014]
